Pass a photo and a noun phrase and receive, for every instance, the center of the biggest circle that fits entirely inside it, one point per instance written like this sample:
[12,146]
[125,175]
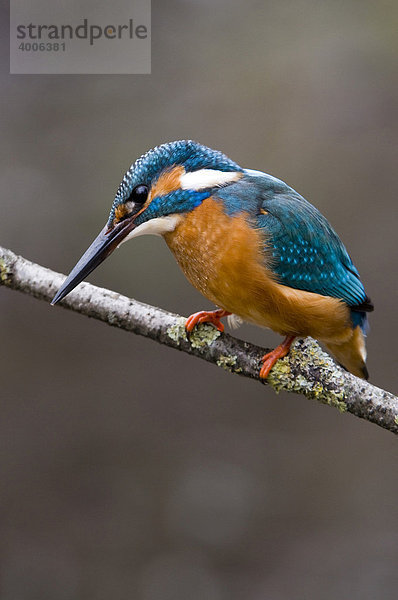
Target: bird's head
[162,185]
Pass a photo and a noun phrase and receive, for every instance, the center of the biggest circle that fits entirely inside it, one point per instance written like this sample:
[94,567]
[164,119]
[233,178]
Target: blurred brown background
[129,470]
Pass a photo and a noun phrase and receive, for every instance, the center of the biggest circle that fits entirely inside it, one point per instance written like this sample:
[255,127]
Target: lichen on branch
[306,370]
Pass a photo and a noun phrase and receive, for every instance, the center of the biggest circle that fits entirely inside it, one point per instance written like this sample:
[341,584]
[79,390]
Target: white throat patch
[207,178]
[158,226]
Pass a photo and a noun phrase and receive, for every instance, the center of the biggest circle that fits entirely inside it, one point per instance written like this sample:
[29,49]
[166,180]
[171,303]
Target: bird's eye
[139,194]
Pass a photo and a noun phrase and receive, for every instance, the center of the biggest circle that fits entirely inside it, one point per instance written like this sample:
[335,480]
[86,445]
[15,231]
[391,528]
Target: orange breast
[226,260]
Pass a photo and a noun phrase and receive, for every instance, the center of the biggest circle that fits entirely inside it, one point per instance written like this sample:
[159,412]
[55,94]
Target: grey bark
[306,370]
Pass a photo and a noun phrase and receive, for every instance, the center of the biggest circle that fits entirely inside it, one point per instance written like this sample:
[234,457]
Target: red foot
[207,316]
[272,357]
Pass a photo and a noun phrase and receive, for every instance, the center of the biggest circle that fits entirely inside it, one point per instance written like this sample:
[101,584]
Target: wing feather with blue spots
[307,253]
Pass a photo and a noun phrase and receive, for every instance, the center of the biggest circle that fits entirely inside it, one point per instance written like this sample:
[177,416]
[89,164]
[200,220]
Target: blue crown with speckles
[191,155]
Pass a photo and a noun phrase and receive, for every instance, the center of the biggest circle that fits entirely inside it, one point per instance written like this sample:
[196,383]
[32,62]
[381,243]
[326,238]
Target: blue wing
[307,253]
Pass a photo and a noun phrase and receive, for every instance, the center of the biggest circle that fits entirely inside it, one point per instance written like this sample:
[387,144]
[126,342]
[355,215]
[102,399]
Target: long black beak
[103,245]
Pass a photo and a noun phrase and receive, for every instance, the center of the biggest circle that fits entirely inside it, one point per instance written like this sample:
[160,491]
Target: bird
[249,242]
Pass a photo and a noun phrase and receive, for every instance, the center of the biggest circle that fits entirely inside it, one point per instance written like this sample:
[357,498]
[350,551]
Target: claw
[272,357]
[207,316]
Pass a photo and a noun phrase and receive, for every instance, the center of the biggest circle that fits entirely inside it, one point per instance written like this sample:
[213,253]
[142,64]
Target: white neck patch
[158,226]
[207,178]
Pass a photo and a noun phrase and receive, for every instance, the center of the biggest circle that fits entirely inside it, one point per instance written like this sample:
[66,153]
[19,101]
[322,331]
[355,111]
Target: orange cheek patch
[120,212]
[170,181]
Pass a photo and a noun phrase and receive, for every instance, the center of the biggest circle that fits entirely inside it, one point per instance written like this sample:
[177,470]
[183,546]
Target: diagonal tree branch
[306,370]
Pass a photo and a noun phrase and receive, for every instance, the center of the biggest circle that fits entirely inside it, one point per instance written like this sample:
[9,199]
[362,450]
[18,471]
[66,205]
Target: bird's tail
[352,353]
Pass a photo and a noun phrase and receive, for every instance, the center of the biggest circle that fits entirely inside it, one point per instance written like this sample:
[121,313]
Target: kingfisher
[248,242]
